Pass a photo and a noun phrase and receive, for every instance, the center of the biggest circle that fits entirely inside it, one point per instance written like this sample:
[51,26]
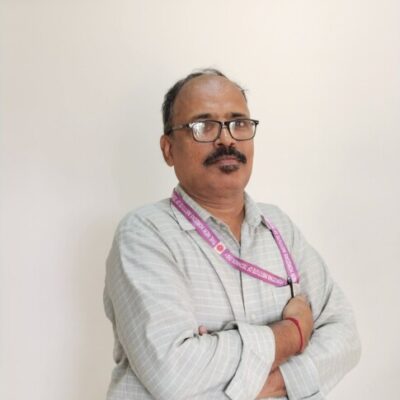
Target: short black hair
[171,95]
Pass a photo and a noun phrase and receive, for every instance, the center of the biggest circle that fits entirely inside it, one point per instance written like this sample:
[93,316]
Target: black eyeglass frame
[221,126]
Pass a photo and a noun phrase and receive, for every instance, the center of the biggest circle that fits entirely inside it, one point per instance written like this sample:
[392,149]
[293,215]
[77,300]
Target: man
[211,295]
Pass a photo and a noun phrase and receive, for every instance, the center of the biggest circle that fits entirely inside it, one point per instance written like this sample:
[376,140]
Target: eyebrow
[209,116]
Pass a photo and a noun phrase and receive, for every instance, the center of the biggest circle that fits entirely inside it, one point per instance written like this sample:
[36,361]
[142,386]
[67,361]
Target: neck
[227,208]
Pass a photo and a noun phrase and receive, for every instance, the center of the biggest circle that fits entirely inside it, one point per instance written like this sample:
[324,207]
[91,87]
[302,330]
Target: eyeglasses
[209,130]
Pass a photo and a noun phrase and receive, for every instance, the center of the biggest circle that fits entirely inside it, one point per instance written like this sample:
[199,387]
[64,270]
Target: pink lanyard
[212,239]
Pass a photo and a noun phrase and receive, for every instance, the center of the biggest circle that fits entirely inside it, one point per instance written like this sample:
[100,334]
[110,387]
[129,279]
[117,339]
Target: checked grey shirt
[163,281]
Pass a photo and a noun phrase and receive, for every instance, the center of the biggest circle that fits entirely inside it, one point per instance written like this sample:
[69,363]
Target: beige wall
[80,92]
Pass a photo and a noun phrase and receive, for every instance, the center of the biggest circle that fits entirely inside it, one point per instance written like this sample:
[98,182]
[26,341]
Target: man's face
[217,98]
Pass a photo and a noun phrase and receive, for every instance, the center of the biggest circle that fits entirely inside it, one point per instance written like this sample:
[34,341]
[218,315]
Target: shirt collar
[253,215]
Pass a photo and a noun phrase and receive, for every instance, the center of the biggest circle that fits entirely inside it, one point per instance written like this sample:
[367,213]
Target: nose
[225,138]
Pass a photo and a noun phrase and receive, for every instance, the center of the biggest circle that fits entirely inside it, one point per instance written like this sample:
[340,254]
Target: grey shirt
[163,281]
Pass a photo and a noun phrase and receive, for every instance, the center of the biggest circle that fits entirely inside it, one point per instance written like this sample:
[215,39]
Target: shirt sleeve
[334,347]
[154,322]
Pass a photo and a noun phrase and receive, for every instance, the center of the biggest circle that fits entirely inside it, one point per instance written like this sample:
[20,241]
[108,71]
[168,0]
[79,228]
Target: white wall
[81,88]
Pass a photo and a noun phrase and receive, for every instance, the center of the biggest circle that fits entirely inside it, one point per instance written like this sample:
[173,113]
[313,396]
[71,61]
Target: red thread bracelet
[296,322]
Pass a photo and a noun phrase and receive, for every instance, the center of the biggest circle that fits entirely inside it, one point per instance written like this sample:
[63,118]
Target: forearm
[287,344]
[286,341]
[218,362]
[333,350]
[291,335]
[335,347]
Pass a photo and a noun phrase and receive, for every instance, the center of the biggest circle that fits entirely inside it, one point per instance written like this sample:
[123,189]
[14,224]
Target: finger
[302,297]
[202,330]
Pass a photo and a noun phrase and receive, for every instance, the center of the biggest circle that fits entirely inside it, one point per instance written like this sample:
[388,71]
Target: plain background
[81,89]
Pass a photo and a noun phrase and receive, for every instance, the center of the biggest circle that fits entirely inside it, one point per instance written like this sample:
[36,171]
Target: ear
[166,148]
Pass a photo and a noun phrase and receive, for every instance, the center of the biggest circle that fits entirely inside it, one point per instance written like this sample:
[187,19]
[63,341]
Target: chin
[230,180]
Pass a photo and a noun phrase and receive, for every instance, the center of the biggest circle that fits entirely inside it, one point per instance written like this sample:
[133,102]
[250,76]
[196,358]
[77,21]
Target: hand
[274,386]
[299,307]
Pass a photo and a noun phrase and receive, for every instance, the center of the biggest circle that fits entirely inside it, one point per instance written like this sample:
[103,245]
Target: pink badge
[219,248]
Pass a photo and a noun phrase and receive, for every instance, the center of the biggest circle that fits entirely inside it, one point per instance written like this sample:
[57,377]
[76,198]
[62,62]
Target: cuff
[258,354]
[301,378]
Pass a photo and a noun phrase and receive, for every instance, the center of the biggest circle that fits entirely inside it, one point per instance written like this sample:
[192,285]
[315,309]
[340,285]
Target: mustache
[224,151]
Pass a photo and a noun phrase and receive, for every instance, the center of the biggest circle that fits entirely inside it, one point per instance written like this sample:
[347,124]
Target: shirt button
[253,317]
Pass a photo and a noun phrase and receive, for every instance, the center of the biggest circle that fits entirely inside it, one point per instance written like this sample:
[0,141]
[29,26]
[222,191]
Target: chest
[221,294]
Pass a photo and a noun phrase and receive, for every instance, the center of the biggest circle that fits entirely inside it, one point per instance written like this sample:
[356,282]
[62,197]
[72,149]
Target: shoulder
[281,220]
[275,214]
[156,217]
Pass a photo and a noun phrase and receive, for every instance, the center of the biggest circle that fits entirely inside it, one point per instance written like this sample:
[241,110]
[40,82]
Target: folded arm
[334,346]
[150,305]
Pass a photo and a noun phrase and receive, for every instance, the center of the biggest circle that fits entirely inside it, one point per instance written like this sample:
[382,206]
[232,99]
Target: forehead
[214,96]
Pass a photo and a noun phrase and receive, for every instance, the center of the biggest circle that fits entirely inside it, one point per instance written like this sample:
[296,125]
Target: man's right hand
[287,342]
[299,307]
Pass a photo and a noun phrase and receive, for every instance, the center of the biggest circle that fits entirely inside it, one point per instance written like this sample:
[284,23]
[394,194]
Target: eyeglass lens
[207,131]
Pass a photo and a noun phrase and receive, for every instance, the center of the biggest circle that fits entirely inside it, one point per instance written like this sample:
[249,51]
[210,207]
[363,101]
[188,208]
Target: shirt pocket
[212,307]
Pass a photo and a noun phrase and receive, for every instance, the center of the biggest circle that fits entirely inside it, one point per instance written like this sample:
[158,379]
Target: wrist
[300,335]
